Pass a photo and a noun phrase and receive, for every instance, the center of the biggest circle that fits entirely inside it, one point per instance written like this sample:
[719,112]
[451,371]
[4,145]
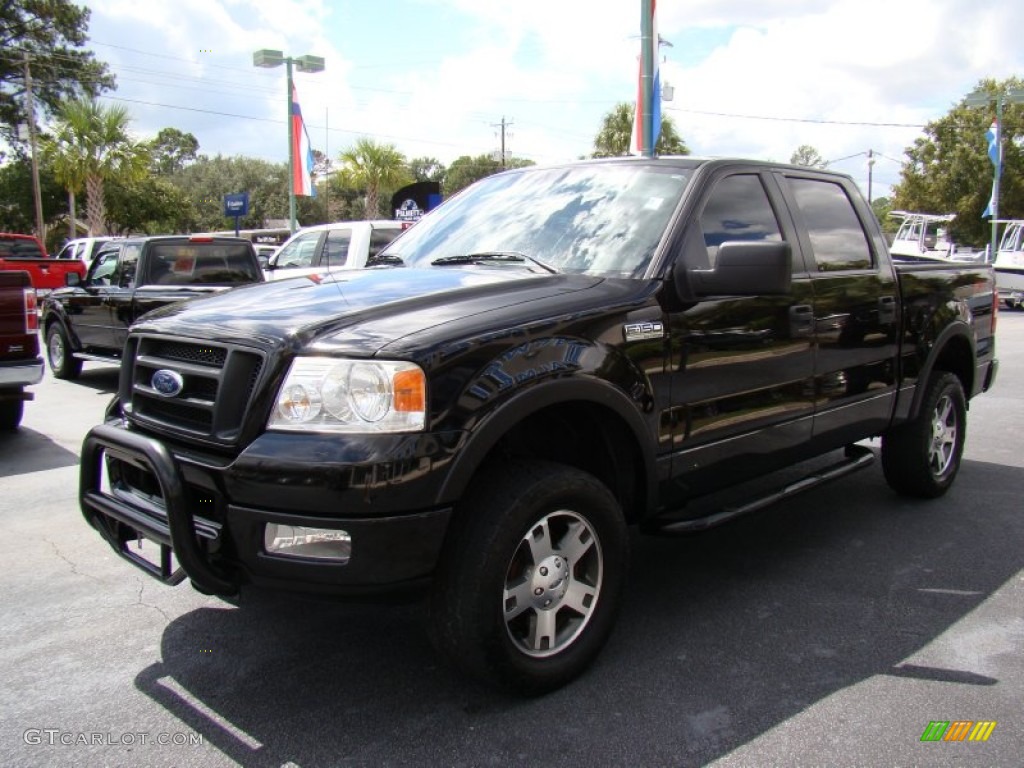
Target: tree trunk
[95,206]
[71,215]
[371,203]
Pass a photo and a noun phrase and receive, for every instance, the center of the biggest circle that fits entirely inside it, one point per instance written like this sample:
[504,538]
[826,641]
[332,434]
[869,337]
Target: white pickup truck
[330,247]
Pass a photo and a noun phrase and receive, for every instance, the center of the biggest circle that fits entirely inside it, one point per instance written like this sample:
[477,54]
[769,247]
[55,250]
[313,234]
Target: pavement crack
[157,608]
[71,564]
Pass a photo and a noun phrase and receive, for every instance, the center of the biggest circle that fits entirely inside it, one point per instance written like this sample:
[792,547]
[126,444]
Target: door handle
[886,310]
[801,321]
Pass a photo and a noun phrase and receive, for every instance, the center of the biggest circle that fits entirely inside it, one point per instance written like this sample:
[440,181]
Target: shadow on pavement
[102,378]
[29,451]
[722,636]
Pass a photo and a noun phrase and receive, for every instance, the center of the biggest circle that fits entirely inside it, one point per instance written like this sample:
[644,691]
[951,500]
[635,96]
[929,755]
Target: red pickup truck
[26,253]
[20,363]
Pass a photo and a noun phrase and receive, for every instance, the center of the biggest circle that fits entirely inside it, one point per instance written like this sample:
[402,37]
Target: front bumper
[133,486]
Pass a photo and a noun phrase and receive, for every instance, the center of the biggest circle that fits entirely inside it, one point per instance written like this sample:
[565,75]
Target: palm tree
[373,167]
[615,137]
[90,144]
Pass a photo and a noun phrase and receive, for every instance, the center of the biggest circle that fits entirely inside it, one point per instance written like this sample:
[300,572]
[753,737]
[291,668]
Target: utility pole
[503,124]
[30,109]
[871,167]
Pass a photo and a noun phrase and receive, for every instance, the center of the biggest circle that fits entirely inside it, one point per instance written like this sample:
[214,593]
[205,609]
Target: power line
[796,119]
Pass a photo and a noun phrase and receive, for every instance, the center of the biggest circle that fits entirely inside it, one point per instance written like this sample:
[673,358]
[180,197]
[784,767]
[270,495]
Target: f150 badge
[643,331]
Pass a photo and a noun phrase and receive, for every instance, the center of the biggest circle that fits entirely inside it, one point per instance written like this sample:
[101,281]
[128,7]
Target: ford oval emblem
[167,383]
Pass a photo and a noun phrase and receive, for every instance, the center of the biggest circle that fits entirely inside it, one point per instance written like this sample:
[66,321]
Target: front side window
[103,267]
[837,237]
[299,252]
[738,209]
[124,276]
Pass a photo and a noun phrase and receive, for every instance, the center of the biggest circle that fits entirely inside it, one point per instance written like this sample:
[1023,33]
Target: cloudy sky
[751,78]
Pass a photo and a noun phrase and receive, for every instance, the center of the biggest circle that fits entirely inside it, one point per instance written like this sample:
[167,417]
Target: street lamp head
[1015,96]
[979,98]
[268,58]
[309,63]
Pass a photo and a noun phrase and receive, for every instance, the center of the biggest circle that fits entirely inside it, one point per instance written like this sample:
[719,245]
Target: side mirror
[745,269]
[72,279]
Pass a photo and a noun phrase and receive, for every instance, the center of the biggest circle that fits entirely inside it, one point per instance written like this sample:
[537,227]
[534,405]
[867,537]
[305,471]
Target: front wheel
[530,583]
[921,458]
[58,353]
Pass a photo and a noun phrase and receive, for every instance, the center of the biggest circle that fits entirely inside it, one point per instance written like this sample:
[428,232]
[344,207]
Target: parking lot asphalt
[830,630]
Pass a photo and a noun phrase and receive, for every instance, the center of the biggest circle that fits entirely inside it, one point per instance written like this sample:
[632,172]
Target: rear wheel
[58,353]
[531,581]
[921,458]
[10,414]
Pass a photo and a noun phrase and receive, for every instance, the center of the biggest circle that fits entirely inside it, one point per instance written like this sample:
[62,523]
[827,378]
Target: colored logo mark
[958,730]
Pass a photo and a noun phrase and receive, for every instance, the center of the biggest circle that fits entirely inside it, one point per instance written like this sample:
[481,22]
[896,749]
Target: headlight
[323,394]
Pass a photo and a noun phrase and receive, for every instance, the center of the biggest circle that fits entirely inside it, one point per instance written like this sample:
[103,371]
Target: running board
[857,457]
[96,358]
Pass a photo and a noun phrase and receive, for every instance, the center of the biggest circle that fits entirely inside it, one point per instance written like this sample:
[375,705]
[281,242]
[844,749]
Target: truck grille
[217,382]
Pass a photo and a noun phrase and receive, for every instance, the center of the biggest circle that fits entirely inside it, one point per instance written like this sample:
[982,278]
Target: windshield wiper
[492,256]
[392,259]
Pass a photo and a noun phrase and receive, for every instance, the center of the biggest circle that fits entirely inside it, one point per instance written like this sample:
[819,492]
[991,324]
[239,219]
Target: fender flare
[596,391]
[958,329]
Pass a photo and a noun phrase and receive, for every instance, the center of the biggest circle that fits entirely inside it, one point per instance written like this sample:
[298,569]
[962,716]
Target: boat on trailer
[1009,263]
[925,236]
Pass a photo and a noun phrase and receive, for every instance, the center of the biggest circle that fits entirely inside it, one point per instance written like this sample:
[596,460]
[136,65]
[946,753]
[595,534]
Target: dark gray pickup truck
[551,355]
[89,318]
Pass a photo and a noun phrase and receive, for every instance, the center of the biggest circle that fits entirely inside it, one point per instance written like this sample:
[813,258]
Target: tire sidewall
[494,532]
[948,386]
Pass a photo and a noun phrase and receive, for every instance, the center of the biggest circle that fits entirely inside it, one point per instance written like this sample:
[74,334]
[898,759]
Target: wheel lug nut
[543,571]
[547,603]
[538,591]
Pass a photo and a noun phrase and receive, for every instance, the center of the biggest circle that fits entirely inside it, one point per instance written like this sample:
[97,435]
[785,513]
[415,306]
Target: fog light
[307,543]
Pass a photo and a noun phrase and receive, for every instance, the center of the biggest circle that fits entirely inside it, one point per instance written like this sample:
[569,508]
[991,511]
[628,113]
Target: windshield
[603,219]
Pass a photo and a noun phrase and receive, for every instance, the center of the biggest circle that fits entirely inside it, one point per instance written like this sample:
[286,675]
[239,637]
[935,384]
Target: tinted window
[125,274]
[201,264]
[837,237]
[738,209]
[379,237]
[336,247]
[16,248]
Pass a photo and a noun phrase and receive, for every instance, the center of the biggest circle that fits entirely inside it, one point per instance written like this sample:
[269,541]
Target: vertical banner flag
[992,135]
[302,151]
[637,146]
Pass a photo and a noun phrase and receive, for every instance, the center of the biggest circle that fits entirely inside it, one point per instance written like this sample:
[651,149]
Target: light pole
[982,98]
[268,58]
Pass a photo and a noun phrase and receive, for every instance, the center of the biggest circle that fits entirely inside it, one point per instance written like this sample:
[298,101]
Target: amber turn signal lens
[410,391]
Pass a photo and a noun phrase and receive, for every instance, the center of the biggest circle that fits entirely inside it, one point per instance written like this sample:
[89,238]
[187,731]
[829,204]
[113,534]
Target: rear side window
[201,264]
[738,209]
[380,237]
[336,248]
[837,237]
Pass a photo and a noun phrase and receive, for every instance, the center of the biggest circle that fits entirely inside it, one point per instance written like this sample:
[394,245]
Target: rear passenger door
[855,307]
[742,367]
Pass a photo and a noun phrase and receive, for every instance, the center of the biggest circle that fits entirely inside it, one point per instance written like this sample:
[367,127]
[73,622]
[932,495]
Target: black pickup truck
[553,355]
[89,318]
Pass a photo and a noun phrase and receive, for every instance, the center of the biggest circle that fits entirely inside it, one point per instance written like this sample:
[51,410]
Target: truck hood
[357,312]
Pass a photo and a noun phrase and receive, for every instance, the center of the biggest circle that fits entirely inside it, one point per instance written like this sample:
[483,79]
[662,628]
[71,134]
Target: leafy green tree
[151,206]
[17,205]
[205,182]
[948,170]
[881,207]
[615,135]
[172,150]
[465,170]
[374,168]
[808,156]
[51,35]
[91,144]
[426,169]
